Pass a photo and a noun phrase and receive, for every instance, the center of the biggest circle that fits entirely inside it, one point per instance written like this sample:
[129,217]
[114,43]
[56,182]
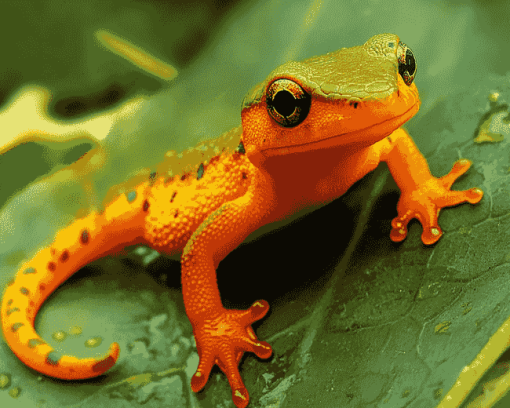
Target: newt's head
[354,96]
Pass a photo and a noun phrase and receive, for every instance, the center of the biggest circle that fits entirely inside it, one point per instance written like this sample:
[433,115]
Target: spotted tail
[81,242]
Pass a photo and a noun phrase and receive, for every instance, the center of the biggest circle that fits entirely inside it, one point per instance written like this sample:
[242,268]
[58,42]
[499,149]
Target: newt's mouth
[358,139]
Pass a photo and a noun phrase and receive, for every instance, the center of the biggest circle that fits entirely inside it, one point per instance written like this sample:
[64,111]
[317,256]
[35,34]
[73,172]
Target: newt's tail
[83,241]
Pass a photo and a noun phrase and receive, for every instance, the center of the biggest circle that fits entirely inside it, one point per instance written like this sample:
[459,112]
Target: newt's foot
[223,341]
[426,201]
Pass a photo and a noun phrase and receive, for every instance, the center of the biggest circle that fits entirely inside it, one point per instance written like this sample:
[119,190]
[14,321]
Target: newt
[308,132]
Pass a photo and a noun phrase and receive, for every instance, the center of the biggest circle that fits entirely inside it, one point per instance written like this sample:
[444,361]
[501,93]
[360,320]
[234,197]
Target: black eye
[406,63]
[287,103]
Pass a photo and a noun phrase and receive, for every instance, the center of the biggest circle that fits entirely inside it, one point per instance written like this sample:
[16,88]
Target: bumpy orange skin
[224,190]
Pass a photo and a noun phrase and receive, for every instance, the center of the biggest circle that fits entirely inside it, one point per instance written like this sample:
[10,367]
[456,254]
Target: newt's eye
[287,103]
[406,63]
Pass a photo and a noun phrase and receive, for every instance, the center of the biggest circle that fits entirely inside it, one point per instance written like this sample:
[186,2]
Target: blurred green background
[221,49]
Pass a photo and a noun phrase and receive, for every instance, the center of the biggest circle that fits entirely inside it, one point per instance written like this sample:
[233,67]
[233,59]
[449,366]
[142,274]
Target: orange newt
[309,131]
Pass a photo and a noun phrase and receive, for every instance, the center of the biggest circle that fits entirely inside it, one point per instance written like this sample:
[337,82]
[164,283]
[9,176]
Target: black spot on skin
[152,176]
[53,357]
[10,311]
[32,343]
[64,256]
[240,148]
[52,266]
[84,238]
[103,365]
[145,205]
[16,326]
[245,175]
[183,177]
[173,196]
[176,213]
[389,139]
[29,270]
[24,291]
[200,171]
[42,288]
[214,159]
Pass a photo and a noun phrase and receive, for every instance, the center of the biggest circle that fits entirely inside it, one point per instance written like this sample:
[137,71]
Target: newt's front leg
[222,335]
[423,195]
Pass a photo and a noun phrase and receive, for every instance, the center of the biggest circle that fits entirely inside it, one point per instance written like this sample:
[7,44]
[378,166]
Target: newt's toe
[241,397]
[431,235]
[474,195]
[201,376]
[399,227]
